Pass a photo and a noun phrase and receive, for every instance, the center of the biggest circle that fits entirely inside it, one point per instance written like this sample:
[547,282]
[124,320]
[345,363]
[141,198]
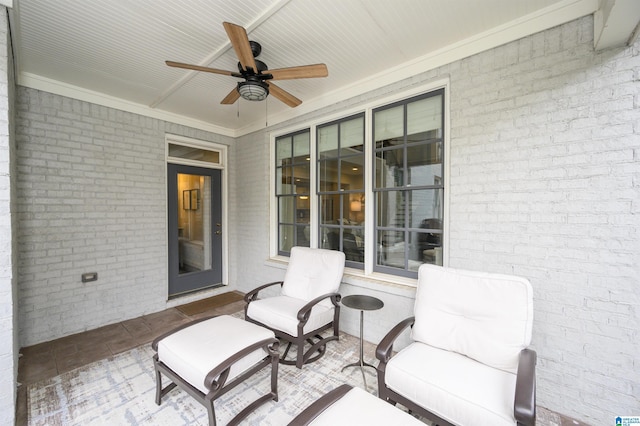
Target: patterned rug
[121,391]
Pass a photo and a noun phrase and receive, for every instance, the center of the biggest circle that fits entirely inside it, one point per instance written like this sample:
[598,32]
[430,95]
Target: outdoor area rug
[121,391]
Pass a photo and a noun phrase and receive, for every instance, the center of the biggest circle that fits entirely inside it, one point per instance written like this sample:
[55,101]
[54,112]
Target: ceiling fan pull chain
[266,114]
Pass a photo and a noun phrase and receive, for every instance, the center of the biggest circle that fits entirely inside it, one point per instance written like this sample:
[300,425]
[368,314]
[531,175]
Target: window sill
[385,283]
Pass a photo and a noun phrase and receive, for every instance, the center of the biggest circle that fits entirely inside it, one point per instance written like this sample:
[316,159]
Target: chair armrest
[525,400]
[385,347]
[305,311]
[319,406]
[253,294]
[217,377]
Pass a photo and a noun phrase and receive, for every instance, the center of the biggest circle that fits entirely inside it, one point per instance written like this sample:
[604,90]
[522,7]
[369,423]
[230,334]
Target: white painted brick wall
[8,288]
[545,183]
[92,199]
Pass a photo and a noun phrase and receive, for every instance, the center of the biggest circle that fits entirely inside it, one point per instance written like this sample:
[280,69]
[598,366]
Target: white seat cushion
[452,386]
[487,317]
[358,407]
[312,273]
[281,313]
[196,350]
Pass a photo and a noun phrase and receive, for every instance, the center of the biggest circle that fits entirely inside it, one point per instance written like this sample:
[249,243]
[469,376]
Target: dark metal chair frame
[320,405]
[318,346]
[216,379]
[525,396]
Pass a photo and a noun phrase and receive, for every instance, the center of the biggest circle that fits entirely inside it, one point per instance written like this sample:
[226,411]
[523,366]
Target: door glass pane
[194,223]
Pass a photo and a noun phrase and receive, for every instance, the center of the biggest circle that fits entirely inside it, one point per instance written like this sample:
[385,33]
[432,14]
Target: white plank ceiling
[112,52]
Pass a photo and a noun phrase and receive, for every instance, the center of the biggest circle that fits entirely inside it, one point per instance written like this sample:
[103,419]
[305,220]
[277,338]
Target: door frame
[224,188]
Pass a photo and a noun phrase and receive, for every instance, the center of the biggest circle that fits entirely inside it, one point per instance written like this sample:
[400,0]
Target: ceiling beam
[616,23]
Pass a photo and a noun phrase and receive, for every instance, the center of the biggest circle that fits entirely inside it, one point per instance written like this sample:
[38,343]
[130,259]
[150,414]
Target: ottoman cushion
[196,350]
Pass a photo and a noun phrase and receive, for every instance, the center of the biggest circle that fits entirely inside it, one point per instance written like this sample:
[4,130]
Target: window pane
[392,249]
[329,209]
[352,173]
[190,153]
[301,145]
[329,238]
[389,124]
[353,245]
[283,150]
[302,209]
[391,209]
[352,136]
[284,180]
[424,205]
[302,237]
[424,164]
[328,171]
[389,168]
[287,237]
[356,208]
[424,115]
[328,141]
[301,181]
[286,209]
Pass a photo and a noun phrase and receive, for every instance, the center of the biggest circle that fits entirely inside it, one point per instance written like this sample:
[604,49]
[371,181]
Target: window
[341,187]
[293,174]
[408,184]
[371,185]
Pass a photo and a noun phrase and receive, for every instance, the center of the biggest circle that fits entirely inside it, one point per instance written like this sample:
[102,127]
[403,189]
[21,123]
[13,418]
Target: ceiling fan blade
[284,96]
[240,42]
[305,71]
[199,68]
[231,98]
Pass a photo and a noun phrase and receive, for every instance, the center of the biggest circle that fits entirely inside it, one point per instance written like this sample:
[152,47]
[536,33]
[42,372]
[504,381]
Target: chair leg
[300,357]
[158,386]
[211,413]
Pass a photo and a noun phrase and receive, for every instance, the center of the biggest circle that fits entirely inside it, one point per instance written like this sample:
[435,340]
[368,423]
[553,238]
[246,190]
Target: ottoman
[208,357]
[346,405]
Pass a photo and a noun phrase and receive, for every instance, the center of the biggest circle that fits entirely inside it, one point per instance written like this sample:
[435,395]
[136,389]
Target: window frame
[356,276]
[406,189]
[340,227]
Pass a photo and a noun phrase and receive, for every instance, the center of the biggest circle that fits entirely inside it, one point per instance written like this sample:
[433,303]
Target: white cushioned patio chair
[307,305]
[468,362]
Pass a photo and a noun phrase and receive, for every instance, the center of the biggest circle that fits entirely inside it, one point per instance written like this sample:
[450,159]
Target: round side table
[363,303]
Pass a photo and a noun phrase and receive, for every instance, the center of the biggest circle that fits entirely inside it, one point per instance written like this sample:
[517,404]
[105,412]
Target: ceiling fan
[257,77]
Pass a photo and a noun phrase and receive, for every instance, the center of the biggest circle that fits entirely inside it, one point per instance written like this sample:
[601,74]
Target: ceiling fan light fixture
[253,90]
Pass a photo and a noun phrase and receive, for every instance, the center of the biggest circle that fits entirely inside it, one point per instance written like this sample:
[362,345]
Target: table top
[362,302]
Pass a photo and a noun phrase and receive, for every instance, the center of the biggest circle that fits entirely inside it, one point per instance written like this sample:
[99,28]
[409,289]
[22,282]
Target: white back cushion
[312,273]
[487,317]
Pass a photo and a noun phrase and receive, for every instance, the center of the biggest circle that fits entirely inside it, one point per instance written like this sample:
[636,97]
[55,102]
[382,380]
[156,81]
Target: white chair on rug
[306,306]
[468,362]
